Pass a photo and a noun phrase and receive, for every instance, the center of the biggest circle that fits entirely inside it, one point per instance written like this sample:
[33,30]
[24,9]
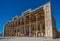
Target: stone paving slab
[27,39]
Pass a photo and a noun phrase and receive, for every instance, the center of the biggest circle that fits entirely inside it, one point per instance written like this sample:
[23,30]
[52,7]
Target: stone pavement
[27,39]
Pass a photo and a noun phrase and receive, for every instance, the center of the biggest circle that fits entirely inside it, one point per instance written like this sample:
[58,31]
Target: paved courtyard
[27,39]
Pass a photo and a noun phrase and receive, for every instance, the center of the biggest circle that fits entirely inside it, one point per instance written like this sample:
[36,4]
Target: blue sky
[11,8]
